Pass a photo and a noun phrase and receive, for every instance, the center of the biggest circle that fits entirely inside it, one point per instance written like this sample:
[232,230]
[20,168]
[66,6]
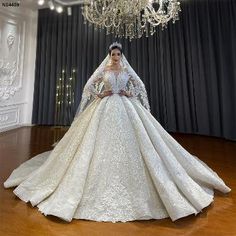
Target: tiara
[115,44]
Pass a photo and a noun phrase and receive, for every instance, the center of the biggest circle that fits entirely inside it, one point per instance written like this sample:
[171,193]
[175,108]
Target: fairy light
[65,95]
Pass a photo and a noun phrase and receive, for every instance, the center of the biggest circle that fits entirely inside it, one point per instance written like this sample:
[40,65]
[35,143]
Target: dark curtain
[189,69]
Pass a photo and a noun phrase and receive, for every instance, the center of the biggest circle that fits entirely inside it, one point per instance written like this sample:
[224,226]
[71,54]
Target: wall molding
[12,31]
[18,32]
[9,116]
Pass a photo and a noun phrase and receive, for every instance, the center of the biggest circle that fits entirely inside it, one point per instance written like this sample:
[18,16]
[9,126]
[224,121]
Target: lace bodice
[115,81]
[110,80]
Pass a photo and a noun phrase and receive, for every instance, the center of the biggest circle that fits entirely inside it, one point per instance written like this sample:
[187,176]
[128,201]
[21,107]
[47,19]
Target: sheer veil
[94,85]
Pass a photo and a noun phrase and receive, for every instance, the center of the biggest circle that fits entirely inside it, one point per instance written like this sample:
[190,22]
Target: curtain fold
[189,69]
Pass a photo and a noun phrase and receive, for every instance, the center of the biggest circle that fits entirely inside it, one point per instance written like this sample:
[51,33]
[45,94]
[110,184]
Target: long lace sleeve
[92,88]
[137,89]
[95,87]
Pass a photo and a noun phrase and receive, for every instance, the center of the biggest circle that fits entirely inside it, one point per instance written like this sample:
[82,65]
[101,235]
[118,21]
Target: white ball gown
[116,163]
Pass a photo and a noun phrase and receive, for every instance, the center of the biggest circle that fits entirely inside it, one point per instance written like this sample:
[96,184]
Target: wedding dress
[116,162]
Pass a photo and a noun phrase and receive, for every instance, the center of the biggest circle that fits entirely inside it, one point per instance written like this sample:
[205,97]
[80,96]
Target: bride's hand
[105,93]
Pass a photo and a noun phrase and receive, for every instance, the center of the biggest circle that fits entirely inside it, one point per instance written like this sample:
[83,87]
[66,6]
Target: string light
[65,98]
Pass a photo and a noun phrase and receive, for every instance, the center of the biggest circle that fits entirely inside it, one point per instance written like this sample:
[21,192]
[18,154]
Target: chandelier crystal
[130,18]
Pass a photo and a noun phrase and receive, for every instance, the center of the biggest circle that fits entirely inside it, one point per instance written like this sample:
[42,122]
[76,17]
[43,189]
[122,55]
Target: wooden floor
[19,218]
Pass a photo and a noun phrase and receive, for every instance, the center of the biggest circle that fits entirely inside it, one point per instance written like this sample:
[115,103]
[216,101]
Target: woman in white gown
[116,162]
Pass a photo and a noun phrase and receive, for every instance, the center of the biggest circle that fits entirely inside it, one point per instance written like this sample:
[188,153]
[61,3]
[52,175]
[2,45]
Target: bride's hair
[115,46]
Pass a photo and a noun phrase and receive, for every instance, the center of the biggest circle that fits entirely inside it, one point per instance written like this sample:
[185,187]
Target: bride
[116,162]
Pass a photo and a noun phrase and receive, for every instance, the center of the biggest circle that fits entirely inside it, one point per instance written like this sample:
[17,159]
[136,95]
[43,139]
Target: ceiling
[69,2]
[33,4]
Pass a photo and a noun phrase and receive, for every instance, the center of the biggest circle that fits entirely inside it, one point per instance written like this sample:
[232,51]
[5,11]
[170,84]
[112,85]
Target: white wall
[18,29]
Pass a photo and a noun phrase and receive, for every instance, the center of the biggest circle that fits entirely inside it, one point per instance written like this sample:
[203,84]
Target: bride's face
[115,56]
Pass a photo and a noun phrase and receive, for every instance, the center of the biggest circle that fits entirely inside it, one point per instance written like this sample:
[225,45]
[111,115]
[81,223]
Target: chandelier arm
[124,19]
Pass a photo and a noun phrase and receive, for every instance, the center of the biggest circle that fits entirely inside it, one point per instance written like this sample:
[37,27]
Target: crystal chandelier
[130,18]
